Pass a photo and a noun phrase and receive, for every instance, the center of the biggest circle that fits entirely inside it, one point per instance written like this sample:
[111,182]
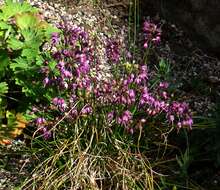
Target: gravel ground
[197,73]
[14,165]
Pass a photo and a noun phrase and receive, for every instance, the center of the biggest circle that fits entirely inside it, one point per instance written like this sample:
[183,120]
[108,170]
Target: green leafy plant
[184,160]
[23,34]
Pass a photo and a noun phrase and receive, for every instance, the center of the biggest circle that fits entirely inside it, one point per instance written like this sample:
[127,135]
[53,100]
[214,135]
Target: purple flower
[63,85]
[152,33]
[40,121]
[156,40]
[110,116]
[131,96]
[84,83]
[131,131]
[164,95]
[143,69]
[66,74]
[60,65]
[86,110]
[125,118]
[74,113]
[145,45]
[46,134]
[82,58]
[131,93]
[188,122]
[33,110]
[55,38]
[84,67]
[66,52]
[171,118]
[182,112]
[143,75]
[60,103]
[179,125]
[128,54]
[164,85]
[46,81]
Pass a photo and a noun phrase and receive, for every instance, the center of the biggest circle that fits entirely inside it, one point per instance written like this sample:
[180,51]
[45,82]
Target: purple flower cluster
[176,113]
[46,133]
[152,34]
[40,121]
[180,110]
[134,90]
[64,72]
[86,110]
[73,60]
[110,116]
[113,50]
[60,103]
[41,124]
[116,97]
[154,105]
[125,118]
[142,77]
